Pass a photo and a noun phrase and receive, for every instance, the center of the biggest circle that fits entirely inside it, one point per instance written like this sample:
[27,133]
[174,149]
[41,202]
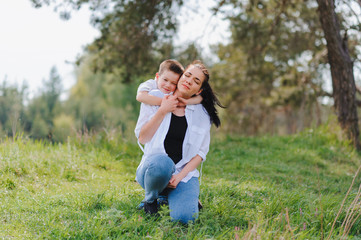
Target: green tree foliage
[39,128]
[42,109]
[52,89]
[12,109]
[63,127]
[133,33]
[99,101]
[271,73]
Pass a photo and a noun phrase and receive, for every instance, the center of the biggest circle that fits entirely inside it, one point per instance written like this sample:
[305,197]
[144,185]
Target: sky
[32,40]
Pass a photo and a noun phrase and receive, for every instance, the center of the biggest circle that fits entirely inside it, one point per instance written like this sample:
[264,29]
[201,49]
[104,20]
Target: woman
[176,141]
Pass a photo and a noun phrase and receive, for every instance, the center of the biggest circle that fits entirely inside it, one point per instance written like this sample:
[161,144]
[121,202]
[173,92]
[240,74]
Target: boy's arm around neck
[146,98]
[191,101]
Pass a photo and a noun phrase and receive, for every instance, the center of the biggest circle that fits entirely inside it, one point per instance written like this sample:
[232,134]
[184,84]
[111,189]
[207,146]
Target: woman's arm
[190,166]
[169,104]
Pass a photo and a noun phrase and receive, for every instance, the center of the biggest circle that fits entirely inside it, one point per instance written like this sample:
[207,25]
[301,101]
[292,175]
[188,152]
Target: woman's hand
[173,182]
[169,104]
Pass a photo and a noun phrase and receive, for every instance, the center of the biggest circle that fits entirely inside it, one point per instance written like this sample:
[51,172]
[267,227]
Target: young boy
[166,80]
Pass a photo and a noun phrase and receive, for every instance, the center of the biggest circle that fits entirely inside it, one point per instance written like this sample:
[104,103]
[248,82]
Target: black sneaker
[200,206]
[151,208]
[163,200]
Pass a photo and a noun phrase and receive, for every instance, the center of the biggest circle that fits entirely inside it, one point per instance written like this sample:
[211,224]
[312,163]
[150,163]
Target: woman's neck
[179,94]
[179,111]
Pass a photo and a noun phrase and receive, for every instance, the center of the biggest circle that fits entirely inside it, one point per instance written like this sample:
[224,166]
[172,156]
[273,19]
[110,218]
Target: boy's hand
[182,102]
[173,182]
[169,103]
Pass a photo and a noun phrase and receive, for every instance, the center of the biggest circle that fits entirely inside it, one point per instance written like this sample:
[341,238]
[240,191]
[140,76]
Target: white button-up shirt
[196,140]
[148,86]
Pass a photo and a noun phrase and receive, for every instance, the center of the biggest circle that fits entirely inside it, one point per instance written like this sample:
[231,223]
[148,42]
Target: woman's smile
[184,85]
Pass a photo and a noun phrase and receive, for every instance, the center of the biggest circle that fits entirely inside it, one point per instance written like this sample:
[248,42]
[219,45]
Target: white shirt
[196,140]
[147,86]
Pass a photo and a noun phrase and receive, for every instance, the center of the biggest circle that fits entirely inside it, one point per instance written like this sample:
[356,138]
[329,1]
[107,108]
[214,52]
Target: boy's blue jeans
[154,176]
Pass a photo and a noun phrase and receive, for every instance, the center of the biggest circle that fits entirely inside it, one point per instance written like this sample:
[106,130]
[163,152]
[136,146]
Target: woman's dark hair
[210,99]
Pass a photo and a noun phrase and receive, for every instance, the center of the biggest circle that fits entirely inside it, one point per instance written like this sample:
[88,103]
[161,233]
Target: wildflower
[236,237]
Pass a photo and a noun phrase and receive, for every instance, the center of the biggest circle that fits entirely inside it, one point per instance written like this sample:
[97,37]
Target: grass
[252,187]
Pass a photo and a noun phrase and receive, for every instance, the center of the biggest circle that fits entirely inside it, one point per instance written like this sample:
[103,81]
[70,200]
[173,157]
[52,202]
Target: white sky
[33,40]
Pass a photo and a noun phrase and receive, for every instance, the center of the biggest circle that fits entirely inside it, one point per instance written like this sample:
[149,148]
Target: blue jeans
[154,175]
[183,201]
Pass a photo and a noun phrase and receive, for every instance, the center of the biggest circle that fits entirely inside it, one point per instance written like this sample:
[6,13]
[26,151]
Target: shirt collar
[191,107]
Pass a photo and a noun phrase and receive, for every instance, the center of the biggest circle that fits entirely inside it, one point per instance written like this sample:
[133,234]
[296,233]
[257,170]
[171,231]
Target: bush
[63,127]
[40,128]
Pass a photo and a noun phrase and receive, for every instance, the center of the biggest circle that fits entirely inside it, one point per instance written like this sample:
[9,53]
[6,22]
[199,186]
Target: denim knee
[183,201]
[184,216]
[162,162]
[155,174]
[160,166]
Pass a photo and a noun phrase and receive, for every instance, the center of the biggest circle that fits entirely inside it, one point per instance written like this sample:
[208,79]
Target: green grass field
[252,188]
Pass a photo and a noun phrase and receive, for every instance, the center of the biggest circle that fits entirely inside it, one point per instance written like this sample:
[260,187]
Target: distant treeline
[96,103]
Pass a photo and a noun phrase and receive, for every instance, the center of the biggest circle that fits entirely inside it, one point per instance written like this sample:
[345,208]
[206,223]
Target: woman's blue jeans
[154,175]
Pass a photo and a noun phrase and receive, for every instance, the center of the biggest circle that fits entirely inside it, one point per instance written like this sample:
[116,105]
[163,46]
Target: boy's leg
[183,201]
[154,175]
[162,199]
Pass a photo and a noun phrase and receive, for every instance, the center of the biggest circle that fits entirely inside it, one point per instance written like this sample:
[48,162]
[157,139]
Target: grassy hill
[266,187]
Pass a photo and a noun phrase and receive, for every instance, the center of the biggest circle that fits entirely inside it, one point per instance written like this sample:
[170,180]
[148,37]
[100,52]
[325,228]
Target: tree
[343,82]
[98,101]
[12,109]
[42,109]
[277,56]
[52,90]
[269,72]
[133,33]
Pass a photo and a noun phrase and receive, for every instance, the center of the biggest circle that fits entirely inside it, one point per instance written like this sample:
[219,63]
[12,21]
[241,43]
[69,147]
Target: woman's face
[190,82]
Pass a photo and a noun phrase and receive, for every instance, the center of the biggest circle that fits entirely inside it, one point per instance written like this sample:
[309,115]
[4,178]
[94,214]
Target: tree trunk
[343,82]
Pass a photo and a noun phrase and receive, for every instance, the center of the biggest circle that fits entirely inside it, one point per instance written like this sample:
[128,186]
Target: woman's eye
[187,75]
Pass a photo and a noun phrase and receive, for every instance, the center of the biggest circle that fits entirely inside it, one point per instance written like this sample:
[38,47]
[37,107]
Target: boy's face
[167,81]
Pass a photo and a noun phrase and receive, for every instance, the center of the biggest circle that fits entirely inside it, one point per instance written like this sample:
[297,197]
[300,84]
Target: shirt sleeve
[147,86]
[157,93]
[145,114]
[204,148]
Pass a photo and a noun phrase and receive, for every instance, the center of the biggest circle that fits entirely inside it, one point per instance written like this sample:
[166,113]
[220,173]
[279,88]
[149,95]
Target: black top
[173,142]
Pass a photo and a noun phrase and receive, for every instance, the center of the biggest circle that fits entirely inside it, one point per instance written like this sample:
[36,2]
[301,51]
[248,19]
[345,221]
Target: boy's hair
[171,65]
